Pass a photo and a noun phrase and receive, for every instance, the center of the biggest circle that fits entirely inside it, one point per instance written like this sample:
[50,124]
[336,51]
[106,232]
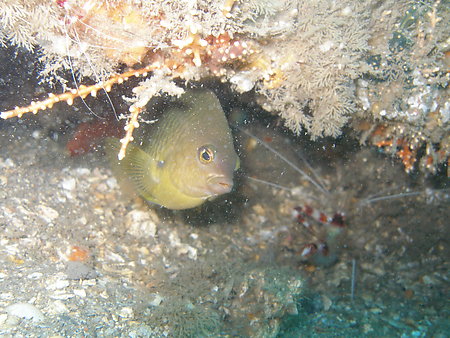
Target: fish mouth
[219,184]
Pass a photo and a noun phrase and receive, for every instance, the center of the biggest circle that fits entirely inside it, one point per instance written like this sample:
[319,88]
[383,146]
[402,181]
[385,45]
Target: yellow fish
[186,158]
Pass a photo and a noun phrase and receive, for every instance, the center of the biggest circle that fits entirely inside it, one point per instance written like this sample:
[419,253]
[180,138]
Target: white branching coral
[317,88]
[23,22]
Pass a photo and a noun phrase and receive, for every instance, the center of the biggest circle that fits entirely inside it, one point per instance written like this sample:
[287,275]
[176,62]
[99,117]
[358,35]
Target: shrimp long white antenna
[292,165]
[369,200]
[69,60]
[383,192]
[274,185]
[388,197]
[97,77]
[314,172]
[110,37]
[77,41]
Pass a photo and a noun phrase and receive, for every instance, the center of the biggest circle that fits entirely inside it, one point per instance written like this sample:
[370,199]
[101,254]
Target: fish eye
[205,154]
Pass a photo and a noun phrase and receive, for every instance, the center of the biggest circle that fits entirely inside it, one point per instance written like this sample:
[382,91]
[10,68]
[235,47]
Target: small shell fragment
[26,311]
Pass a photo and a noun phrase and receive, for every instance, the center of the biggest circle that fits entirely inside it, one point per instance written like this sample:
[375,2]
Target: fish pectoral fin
[136,168]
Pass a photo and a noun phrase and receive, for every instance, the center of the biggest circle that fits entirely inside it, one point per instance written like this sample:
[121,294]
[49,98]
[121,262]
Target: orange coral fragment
[78,254]
[408,157]
[406,152]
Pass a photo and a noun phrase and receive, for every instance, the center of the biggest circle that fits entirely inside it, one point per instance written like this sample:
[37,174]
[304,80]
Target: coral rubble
[318,64]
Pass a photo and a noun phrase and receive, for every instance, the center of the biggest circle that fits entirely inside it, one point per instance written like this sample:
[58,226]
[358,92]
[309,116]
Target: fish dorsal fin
[136,168]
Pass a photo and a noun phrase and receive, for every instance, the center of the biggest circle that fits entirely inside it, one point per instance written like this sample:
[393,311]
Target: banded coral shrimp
[394,232]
